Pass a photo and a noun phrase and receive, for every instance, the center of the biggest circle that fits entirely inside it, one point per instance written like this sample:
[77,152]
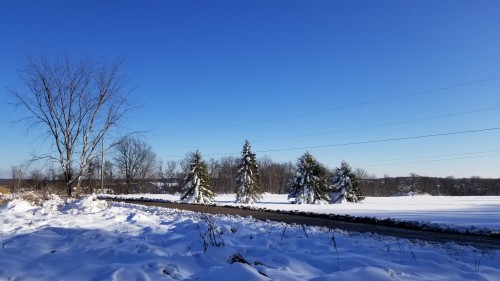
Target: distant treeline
[274,179]
[448,186]
[167,177]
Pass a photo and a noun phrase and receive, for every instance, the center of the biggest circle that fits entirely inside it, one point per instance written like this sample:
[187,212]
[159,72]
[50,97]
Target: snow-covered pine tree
[196,186]
[345,185]
[308,186]
[248,181]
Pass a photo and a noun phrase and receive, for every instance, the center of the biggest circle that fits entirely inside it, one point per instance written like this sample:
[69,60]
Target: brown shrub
[4,189]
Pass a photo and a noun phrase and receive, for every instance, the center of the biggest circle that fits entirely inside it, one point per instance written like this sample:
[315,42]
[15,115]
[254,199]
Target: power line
[422,157]
[384,140]
[375,101]
[362,142]
[435,160]
[352,129]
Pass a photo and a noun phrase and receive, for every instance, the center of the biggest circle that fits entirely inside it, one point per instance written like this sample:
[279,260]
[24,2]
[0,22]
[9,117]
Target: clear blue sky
[208,72]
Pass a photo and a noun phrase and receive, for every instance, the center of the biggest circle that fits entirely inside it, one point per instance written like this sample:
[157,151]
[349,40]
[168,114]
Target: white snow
[470,212]
[89,239]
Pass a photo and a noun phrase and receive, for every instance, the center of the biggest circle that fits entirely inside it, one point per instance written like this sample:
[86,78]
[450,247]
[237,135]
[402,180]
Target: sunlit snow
[91,240]
[460,211]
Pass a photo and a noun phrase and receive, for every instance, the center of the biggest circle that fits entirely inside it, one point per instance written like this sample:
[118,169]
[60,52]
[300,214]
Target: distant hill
[5,181]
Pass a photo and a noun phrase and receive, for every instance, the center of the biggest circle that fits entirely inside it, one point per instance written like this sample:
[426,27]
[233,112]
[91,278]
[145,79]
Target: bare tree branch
[77,103]
[136,161]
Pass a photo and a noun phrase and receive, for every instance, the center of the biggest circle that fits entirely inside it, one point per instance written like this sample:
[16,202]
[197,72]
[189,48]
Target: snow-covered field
[91,240]
[460,212]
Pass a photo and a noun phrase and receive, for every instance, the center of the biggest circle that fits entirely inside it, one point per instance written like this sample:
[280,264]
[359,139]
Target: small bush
[4,189]
[237,258]
[210,233]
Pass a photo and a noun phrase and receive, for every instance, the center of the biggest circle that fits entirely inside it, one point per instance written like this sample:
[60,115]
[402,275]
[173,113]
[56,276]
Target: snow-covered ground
[90,239]
[469,212]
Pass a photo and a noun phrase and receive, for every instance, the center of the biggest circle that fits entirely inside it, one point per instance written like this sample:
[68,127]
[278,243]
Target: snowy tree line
[309,185]
[133,167]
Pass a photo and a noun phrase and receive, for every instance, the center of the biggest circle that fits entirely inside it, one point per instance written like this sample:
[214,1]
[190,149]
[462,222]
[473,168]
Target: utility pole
[102,165]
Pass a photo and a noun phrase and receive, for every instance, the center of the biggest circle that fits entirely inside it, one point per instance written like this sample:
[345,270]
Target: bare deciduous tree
[17,176]
[136,161]
[77,103]
[92,174]
[168,175]
[275,177]
[223,172]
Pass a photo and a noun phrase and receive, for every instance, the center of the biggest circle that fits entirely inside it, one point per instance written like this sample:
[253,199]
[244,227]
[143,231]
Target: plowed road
[483,242]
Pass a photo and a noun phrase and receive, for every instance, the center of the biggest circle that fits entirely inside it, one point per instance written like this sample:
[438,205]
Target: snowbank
[85,240]
[87,204]
[465,214]
[16,205]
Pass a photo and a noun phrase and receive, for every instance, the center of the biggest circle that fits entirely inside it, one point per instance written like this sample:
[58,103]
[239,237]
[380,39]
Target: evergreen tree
[345,185]
[309,184]
[248,181]
[196,186]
